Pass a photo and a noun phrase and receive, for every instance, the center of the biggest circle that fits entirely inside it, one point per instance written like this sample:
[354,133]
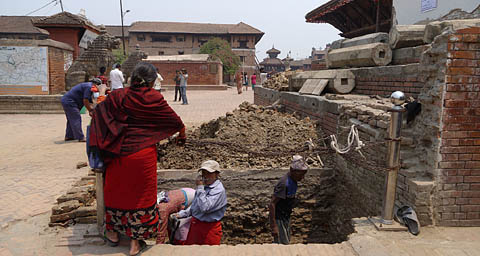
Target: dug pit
[323,215]
[254,145]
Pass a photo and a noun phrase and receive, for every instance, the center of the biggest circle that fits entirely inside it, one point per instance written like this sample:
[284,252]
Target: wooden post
[377,26]
[100,201]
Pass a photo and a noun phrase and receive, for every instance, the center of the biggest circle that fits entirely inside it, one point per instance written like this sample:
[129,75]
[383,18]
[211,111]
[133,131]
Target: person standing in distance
[116,77]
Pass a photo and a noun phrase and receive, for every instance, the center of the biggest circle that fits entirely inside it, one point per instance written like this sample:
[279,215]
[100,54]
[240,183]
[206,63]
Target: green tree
[118,54]
[221,49]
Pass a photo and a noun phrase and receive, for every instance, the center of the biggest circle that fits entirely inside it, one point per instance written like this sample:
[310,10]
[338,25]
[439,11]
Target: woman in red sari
[125,128]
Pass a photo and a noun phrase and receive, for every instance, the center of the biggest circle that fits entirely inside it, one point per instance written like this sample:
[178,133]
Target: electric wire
[49,3]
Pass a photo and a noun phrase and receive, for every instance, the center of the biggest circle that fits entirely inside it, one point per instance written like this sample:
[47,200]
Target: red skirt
[204,233]
[130,194]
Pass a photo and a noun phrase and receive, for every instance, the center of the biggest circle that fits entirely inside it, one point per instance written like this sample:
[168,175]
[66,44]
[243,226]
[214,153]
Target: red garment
[132,119]
[131,181]
[204,233]
[175,204]
[104,79]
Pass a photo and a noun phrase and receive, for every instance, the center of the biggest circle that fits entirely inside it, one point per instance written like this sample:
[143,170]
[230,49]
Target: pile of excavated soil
[279,81]
[251,137]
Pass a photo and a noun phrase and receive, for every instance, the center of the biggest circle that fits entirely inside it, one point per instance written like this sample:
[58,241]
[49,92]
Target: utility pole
[123,34]
[61,5]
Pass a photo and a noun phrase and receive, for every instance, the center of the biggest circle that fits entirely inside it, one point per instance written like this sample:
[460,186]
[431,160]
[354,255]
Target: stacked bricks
[78,205]
[56,65]
[199,73]
[385,86]
[460,147]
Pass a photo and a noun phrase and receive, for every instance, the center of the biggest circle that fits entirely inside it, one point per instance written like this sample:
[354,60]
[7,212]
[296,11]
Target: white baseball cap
[210,166]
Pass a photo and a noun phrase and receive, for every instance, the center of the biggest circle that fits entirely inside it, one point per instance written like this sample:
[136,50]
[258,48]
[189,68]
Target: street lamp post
[123,34]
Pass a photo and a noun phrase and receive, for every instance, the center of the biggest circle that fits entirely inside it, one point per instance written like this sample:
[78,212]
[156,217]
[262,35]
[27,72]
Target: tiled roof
[116,31]
[273,50]
[269,61]
[193,28]
[65,18]
[187,57]
[20,25]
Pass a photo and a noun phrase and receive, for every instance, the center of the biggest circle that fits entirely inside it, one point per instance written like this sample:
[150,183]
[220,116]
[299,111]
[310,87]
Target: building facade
[178,38]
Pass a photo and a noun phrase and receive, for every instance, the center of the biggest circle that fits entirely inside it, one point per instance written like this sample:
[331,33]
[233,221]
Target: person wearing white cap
[283,200]
[171,202]
[208,207]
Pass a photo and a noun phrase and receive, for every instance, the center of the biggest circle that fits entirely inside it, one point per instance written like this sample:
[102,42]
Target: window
[201,42]
[213,68]
[180,39]
[141,38]
[243,44]
[165,39]
[242,58]
[181,52]
[161,53]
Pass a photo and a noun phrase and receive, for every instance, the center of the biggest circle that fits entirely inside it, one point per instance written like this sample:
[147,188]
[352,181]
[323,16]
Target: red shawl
[132,119]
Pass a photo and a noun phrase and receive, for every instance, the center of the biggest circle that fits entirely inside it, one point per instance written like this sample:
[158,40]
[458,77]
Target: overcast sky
[283,22]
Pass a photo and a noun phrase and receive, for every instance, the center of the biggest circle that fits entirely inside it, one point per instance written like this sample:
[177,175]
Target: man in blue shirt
[208,207]
[73,101]
[283,200]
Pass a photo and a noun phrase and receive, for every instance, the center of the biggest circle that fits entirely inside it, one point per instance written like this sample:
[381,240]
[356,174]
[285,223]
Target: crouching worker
[171,202]
[283,200]
[208,207]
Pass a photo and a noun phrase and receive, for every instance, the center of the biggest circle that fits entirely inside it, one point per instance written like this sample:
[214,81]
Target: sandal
[110,242]
[143,246]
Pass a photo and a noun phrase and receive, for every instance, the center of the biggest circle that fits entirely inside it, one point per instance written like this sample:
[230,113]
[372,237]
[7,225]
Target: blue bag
[94,157]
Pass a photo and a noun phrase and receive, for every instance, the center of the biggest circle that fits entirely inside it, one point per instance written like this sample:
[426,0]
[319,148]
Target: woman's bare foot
[134,247]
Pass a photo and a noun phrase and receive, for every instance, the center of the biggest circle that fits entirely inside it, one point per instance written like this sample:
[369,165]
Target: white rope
[353,137]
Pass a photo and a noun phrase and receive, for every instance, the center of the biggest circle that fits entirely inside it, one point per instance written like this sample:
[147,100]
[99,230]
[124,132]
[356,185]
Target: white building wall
[410,11]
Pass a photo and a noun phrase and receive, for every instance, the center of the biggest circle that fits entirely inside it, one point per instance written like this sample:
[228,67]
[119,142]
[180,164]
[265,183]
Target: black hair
[102,70]
[143,74]
[118,65]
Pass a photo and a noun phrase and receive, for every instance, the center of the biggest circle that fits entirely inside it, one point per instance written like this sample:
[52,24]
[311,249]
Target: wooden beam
[338,22]
[377,23]
[359,9]
[348,20]
[364,30]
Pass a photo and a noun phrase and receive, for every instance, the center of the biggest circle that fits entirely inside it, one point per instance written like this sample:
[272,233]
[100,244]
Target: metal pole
[123,34]
[393,157]
[100,201]
[61,5]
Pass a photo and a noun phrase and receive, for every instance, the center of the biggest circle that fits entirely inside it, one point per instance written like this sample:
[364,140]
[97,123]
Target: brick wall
[460,143]
[383,81]
[198,72]
[66,35]
[336,118]
[56,61]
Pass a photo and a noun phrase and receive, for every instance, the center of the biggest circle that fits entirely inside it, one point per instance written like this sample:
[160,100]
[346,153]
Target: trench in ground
[327,204]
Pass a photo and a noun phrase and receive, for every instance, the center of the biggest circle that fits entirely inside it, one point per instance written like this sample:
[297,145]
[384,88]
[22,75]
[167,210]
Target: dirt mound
[279,81]
[251,137]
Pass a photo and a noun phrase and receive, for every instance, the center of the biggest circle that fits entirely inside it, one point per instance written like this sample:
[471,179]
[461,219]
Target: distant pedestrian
[245,81]
[238,80]
[116,78]
[73,101]
[253,78]
[183,86]
[177,86]
[283,200]
[158,82]
[102,76]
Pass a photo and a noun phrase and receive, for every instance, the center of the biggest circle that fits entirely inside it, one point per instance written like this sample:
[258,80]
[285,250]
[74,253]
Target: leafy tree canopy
[221,49]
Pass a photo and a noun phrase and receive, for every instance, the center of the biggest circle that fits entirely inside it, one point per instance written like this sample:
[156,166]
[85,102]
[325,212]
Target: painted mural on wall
[68,60]
[23,69]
